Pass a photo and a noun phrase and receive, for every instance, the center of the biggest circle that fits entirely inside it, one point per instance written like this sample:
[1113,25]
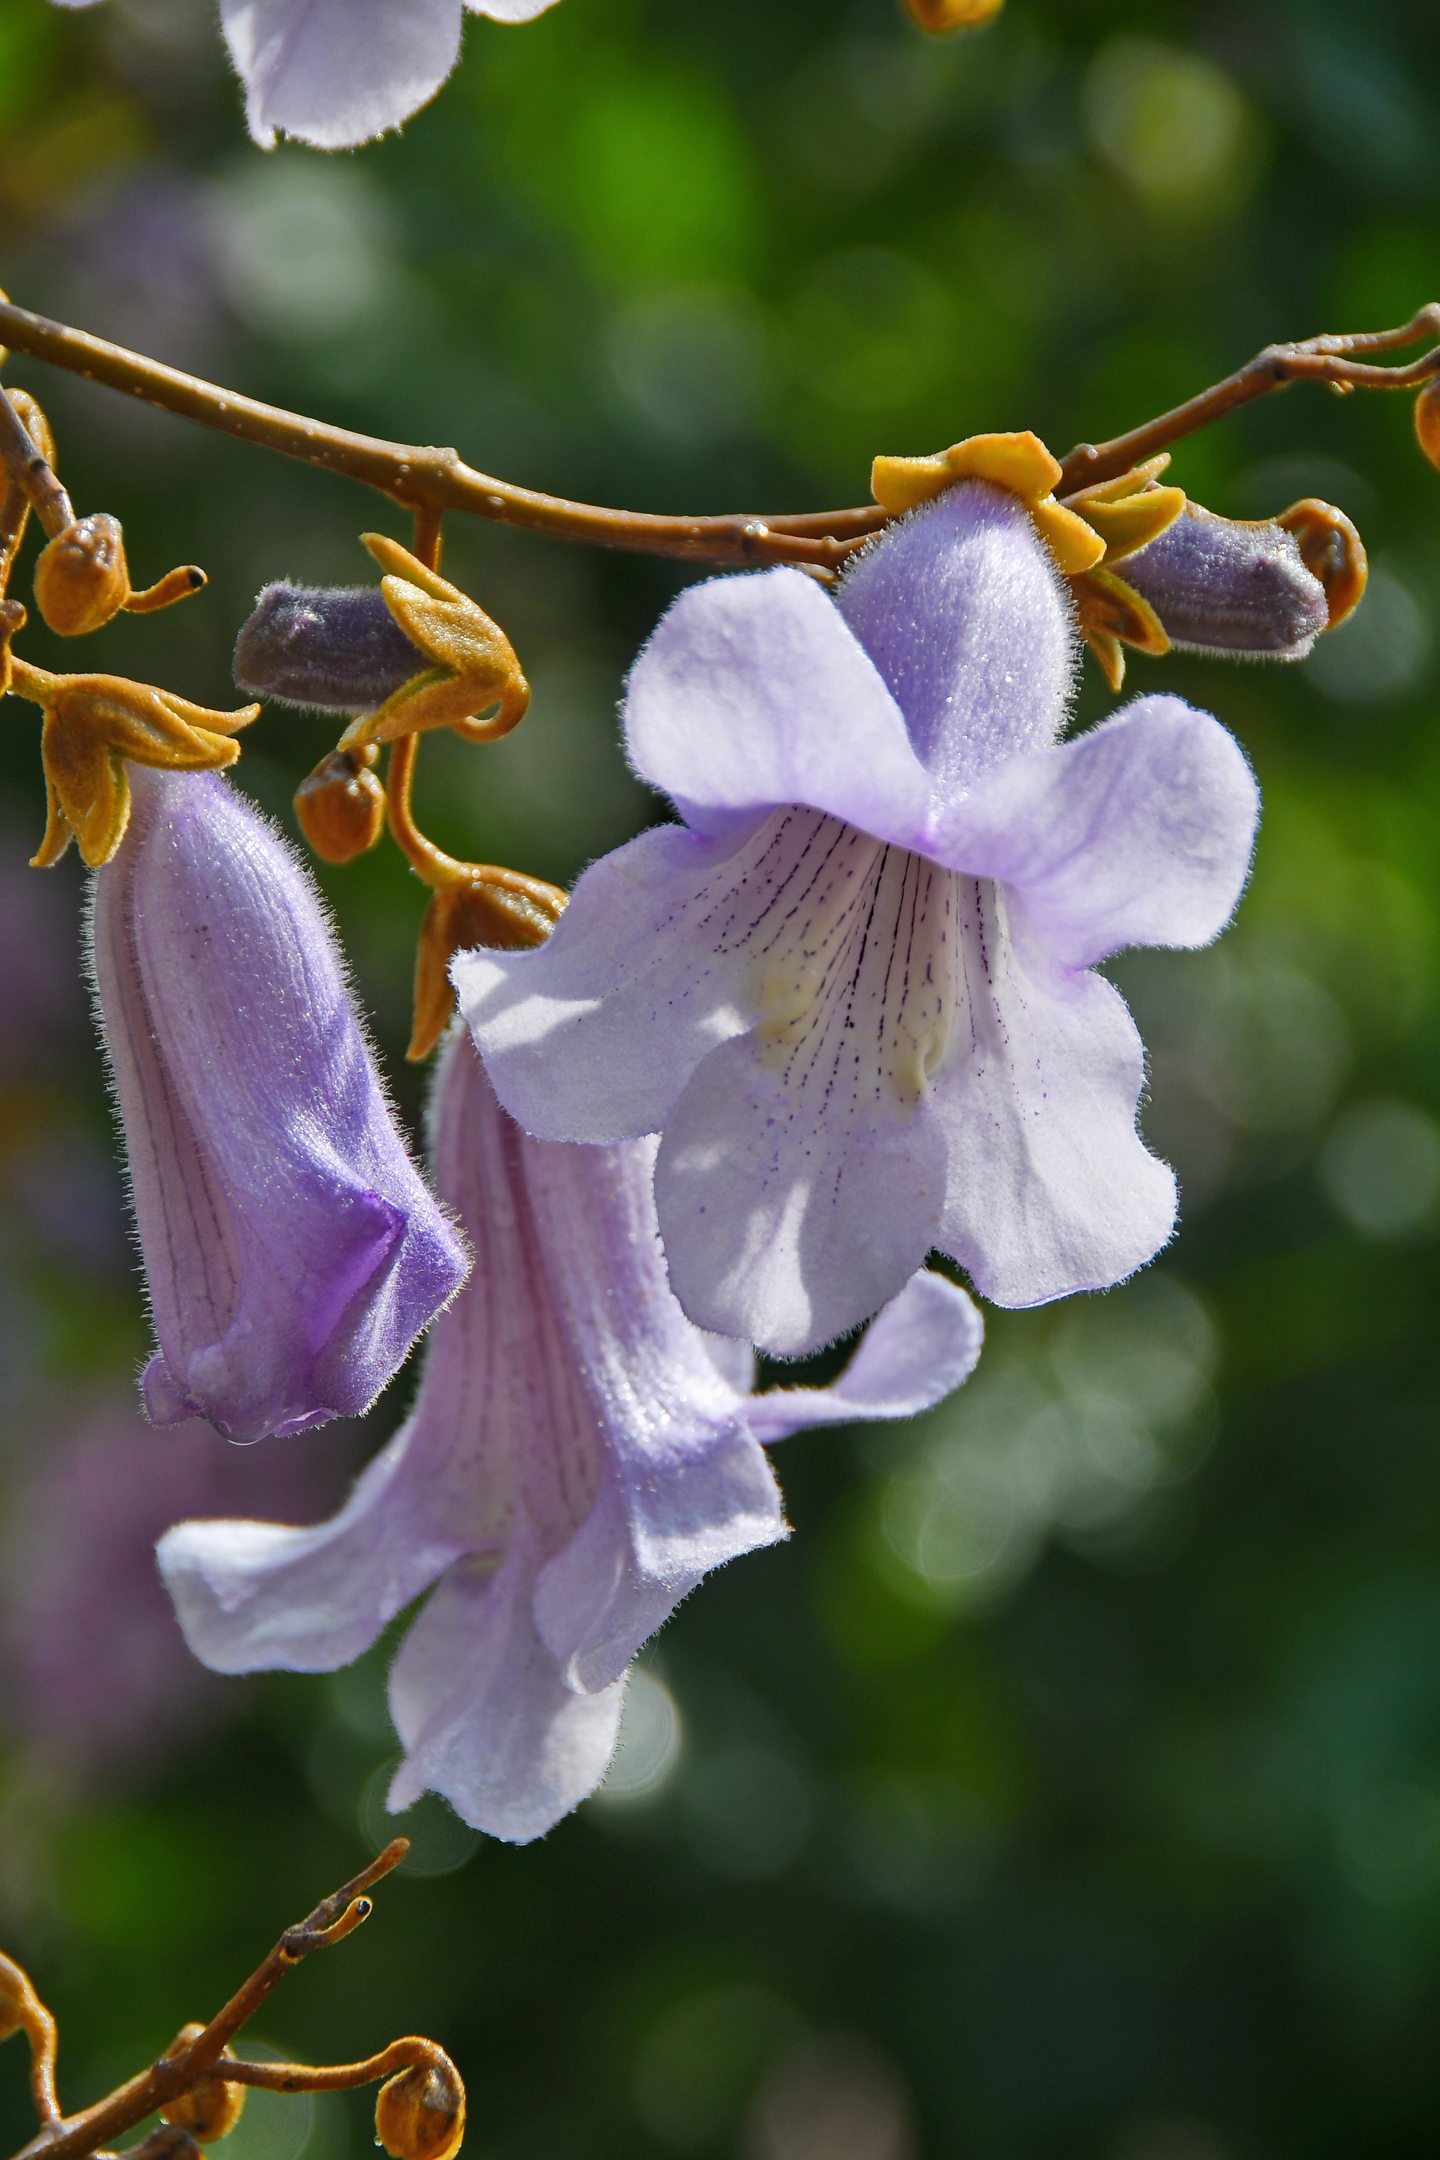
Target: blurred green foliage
[1070,1784]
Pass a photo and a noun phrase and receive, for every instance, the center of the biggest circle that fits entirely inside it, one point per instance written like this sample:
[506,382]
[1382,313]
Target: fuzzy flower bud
[335,647]
[291,1249]
[212,2108]
[341,805]
[420,2115]
[1222,585]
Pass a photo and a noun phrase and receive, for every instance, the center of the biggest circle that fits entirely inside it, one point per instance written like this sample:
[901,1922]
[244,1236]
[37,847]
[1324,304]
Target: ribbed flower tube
[579,1456]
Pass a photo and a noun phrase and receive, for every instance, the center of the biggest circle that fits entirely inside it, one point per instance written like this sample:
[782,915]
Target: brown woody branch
[75,2137]
[428,481]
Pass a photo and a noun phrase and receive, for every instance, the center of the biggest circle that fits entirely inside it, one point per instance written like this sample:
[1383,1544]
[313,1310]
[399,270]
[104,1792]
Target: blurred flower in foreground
[854,992]
[96,1671]
[292,1251]
[339,72]
[579,1457]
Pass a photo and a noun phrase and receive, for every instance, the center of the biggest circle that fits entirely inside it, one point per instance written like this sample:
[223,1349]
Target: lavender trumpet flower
[292,1251]
[854,991]
[578,1458]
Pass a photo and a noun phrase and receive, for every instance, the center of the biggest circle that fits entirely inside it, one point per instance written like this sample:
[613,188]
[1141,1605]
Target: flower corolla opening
[854,993]
[292,1250]
[578,1457]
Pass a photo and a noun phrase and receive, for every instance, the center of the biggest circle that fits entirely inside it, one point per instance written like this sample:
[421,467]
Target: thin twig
[332,1920]
[1318,359]
[429,480]
[29,472]
[44,2039]
[337,2077]
[412,475]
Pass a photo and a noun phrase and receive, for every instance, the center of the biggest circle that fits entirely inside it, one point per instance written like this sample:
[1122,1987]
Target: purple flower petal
[621,991]
[801,1177]
[968,621]
[916,1350]
[579,1456]
[485,1716]
[292,1251]
[1139,833]
[338,72]
[335,73]
[1051,1189]
[732,709]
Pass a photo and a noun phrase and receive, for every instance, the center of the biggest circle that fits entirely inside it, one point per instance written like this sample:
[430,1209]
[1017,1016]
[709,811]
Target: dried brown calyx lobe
[332,647]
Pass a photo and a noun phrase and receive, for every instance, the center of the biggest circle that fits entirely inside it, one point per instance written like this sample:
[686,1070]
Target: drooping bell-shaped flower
[292,1250]
[578,1458]
[854,991]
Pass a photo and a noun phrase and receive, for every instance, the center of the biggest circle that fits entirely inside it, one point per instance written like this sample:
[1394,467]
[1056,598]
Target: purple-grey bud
[1219,585]
[292,1251]
[336,647]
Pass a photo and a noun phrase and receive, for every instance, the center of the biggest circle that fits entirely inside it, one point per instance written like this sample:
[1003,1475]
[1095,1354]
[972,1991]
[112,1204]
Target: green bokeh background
[1070,1783]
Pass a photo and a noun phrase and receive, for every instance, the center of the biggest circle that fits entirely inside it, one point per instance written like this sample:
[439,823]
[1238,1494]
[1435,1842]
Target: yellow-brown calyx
[1427,420]
[1127,514]
[1331,550]
[82,579]
[93,724]
[1113,615]
[954,14]
[1018,463]
[341,805]
[474,669]
[211,2109]
[485,906]
[420,2115]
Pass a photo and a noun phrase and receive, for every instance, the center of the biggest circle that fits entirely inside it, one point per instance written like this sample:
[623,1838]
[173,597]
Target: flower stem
[335,1917]
[429,480]
[29,471]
